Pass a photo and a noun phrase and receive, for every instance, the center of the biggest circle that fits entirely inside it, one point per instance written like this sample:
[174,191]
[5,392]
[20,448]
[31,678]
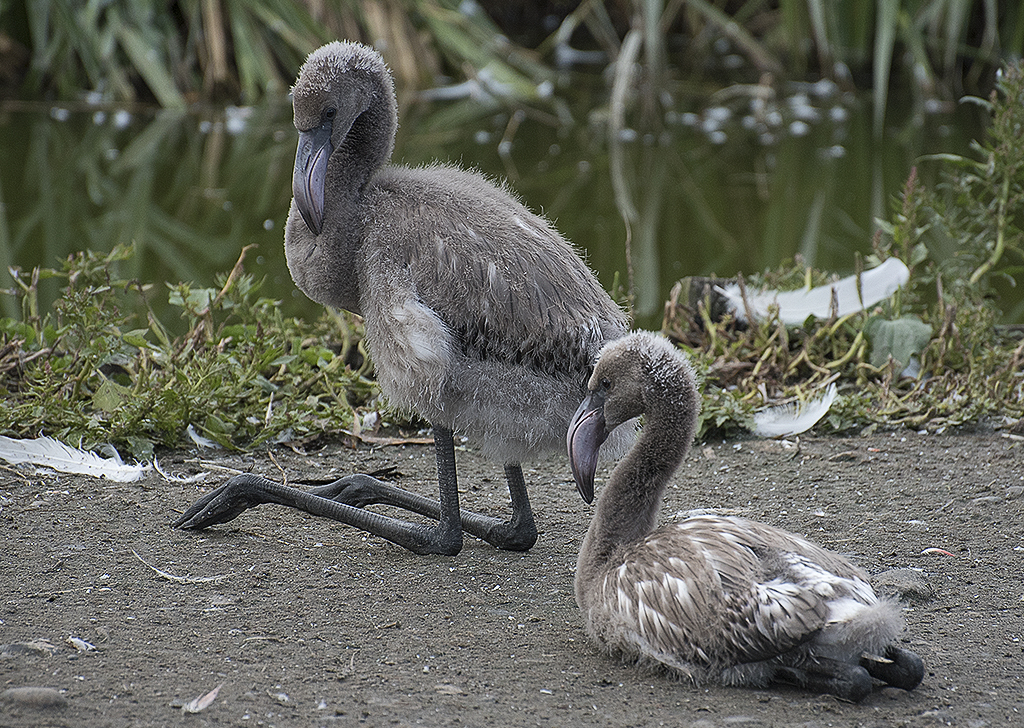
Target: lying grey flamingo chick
[479,316]
[712,598]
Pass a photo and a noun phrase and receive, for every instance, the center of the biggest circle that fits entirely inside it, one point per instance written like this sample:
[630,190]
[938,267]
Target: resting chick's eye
[606,384]
[329,113]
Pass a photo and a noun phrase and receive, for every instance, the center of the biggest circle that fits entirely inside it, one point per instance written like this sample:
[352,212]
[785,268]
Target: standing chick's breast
[511,307]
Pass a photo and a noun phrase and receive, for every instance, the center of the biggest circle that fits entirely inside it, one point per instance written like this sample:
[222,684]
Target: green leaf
[885,226]
[219,430]
[136,338]
[194,301]
[918,254]
[110,396]
[886,25]
[150,64]
[900,339]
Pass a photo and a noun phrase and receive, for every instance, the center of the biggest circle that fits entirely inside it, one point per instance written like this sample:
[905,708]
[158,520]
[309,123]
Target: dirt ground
[303,622]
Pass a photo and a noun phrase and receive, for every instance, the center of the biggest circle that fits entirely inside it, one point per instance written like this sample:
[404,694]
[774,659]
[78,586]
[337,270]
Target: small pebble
[907,585]
[986,500]
[34,697]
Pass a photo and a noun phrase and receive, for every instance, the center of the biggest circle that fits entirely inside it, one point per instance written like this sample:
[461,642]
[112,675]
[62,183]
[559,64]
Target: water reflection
[184,189]
[741,183]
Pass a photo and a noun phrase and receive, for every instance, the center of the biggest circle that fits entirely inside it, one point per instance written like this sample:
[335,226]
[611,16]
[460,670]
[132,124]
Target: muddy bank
[302,622]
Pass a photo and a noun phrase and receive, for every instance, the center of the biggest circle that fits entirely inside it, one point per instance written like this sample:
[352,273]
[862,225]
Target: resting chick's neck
[627,507]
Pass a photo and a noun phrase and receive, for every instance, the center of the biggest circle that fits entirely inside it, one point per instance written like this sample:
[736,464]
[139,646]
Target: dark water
[735,184]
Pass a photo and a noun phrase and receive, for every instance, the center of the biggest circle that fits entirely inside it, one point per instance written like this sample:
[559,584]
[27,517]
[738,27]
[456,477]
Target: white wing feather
[876,285]
[49,453]
[792,419]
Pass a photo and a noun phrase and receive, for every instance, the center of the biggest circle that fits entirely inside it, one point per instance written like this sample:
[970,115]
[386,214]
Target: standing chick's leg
[520,533]
[517,534]
[247,491]
[344,499]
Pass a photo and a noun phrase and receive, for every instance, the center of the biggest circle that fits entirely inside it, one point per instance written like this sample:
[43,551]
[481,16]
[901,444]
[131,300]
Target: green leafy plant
[242,375]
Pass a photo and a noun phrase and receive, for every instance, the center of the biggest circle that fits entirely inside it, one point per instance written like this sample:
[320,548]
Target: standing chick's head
[337,84]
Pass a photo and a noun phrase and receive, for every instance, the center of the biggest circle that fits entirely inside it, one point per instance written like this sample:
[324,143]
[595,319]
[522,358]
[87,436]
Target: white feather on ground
[876,285]
[198,439]
[793,418]
[174,478]
[49,453]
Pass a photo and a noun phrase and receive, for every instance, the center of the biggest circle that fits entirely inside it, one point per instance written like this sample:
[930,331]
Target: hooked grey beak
[310,173]
[587,431]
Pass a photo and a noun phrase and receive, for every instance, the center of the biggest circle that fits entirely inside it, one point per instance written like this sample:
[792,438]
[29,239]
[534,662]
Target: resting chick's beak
[310,174]
[586,433]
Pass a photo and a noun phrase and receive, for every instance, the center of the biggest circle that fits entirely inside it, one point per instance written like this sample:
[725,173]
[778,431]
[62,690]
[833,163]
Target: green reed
[184,51]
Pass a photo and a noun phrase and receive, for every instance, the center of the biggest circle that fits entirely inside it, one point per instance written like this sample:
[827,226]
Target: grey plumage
[479,316]
[712,597]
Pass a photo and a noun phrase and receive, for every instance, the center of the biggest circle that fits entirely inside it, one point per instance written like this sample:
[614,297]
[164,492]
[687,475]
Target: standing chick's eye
[606,384]
[330,113]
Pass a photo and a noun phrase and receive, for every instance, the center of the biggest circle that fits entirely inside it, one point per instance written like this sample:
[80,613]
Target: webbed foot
[224,504]
[901,668]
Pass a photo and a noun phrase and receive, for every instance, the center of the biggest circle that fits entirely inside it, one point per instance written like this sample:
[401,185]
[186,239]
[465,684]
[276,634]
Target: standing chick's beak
[587,431]
[310,174]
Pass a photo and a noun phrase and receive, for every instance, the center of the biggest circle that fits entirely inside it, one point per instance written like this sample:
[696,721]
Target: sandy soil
[302,622]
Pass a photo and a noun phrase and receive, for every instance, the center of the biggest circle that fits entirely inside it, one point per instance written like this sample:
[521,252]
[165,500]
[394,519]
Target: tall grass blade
[886,24]
[10,306]
[256,70]
[1013,40]
[654,47]
[758,54]
[625,72]
[646,263]
[152,68]
[816,9]
[957,14]
[217,74]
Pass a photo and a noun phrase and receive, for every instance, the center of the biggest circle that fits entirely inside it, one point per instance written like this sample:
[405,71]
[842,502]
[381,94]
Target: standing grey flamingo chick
[711,597]
[479,316]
